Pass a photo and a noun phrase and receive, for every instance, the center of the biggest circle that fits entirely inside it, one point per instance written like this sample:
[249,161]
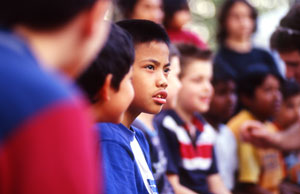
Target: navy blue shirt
[158,158]
[193,160]
[240,62]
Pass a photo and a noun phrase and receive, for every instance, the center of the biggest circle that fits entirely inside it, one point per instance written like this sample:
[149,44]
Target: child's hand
[248,128]
[253,132]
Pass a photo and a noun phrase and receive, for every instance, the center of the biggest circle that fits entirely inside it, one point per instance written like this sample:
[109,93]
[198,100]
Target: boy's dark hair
[116,58]
[171,7]
[289,89]
[41,14]
[144,31]
[222,72]
[253,78]
[190,53]
[286,37]
[223,16]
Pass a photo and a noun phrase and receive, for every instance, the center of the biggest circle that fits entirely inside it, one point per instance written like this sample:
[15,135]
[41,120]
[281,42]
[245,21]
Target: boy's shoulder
[26,89]
[235,122]
[119,133]
[168,118]
[115,133]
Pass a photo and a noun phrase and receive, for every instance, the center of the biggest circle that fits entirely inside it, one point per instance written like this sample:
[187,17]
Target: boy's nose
[162,81]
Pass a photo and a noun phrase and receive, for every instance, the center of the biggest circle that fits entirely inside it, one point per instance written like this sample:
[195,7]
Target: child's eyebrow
[155,62]
[167,65]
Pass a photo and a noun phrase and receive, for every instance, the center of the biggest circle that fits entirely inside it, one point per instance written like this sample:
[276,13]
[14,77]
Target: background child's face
[148,10]
[174,83]
[239,24]
[121,99]
[224,100]
[180,18]
[150,71]
[267,98]
[292,64]
[289,112]
[196,92]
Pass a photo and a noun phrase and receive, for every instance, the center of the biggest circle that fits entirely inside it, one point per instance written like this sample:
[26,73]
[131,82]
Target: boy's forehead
[149,44]
[152,50]
[200,66]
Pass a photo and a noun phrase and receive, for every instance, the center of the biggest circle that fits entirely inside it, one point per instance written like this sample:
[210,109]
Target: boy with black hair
[108,79]
[288,115]
[221,109]
[289,112]
[260,170]
[187,139]
[125,150]
[46,139]
[145,123]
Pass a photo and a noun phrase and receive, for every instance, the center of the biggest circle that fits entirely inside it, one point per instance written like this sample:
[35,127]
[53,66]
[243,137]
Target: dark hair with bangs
[223,16]
[190,53]
[116,58]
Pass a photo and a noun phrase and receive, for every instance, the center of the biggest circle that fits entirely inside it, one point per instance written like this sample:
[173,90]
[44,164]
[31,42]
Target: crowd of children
[142,106]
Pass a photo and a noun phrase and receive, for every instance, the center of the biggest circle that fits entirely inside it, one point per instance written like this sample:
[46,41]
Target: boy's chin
[154,110]
[203,109]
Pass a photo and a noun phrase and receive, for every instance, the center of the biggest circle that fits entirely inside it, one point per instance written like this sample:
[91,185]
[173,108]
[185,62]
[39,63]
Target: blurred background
[204,13]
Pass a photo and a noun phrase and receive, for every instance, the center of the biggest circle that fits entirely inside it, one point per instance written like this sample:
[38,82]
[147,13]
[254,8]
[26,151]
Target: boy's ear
[105,92]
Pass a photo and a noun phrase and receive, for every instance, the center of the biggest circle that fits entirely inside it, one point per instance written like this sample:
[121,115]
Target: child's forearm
[178,188]
[251,188]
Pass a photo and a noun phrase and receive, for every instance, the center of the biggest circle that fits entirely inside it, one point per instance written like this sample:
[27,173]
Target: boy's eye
[167,70]
[151,67]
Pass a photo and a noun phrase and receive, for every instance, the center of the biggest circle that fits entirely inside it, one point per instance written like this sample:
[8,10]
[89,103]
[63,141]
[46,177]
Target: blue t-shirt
[193,160]
[122,173]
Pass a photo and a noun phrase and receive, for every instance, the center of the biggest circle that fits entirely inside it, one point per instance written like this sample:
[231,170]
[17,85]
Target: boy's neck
[184,114]
[260,117]
[129,117]
[147,119]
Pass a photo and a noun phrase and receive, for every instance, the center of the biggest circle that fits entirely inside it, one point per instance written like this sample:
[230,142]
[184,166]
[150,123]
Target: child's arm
[251,188]
[216,184]
[178,188]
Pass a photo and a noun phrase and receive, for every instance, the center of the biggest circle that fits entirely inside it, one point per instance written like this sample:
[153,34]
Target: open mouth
[160,97]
